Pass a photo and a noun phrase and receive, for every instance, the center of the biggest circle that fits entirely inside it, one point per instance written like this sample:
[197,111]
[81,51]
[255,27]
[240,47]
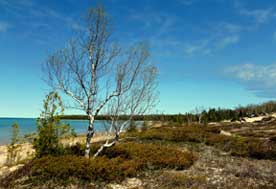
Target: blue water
[28,125]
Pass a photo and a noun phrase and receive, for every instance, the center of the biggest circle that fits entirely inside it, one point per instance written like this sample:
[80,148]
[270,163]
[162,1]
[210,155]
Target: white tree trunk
[90,133]
[106,145]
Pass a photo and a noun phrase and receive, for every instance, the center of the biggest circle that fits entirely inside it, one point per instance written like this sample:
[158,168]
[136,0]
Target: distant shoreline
[18,118]
[28,126]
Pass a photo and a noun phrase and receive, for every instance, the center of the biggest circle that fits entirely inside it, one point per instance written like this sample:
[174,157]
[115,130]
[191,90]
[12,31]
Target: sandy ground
[259,118]
[251,119]
[25,150]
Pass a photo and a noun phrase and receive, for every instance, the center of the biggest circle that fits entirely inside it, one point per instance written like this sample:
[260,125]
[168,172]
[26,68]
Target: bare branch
[99,75]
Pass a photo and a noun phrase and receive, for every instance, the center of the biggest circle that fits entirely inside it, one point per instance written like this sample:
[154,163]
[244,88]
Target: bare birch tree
[140,99]
[92,69]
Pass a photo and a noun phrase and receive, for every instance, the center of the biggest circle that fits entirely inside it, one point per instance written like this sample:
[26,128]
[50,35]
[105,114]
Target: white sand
[259,118]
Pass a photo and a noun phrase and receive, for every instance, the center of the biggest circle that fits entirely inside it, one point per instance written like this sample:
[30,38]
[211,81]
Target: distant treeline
[205,116]
[99,117]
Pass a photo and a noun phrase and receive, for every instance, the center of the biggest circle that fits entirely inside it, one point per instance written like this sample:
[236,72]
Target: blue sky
[210,53]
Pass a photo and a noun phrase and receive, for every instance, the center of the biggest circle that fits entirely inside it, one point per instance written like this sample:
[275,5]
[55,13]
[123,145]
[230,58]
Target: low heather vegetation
[147,152]
[157,156]
[115,164]
[235,145]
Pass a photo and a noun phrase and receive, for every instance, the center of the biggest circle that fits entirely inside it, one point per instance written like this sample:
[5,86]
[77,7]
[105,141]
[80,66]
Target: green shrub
[49,128]
[151,156]
[115,164]
[61,169]
[148,155]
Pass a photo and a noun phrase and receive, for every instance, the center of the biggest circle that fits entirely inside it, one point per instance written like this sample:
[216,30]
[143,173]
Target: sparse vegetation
[14,147]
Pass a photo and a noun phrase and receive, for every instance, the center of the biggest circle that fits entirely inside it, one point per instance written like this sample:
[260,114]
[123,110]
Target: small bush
[49,128]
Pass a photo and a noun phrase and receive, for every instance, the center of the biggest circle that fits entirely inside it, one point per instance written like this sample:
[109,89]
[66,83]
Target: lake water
[28,125]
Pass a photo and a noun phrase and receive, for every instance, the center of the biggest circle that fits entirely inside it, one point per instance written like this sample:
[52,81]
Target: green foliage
[115,164]
[150,156]
[63,168]
[147,155]
[49,128]
[14,147]
[47,141]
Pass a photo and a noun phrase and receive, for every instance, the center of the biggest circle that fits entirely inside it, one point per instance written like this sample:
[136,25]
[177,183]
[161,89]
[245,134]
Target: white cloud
[35,20]
[221,35]
[201,47]
[150,19]
[4,26]
[232,28]
[259,16]
[228,40]
[26,9]
[259,78]
[211,45]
